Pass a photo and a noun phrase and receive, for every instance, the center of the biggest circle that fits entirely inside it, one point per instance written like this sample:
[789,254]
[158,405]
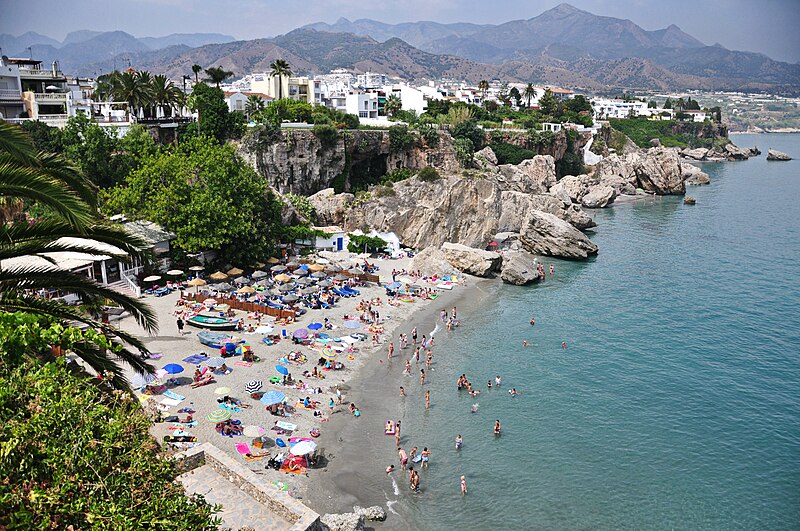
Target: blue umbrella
[173,368]
[315,326]
[273,397]
[281,369]
[352,324]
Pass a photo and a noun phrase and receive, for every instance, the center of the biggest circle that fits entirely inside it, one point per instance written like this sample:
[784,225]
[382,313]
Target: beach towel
[300,404]
[295,440]
[285,468]
[169,402]
[244,364]
[174,396]
[288,426]
[280,443]
[155,356]
[196,359]
[255,457]
[242,448]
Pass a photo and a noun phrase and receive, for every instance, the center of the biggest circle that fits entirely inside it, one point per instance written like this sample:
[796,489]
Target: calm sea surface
[677,401]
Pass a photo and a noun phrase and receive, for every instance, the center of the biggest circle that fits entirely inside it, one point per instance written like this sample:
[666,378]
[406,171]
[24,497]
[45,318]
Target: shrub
[428,174]
[372,244]
[400,138]
[394,176]
[303,205]
[430,135]
[327,135]
[511,154]
[383,191]
[464,151]
[470,130]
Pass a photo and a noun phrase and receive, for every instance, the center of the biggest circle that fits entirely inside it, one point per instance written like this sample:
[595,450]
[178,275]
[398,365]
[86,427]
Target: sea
[676,402]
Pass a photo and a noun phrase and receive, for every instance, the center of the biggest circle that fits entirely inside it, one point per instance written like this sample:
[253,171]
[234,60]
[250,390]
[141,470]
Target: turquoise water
[677,402]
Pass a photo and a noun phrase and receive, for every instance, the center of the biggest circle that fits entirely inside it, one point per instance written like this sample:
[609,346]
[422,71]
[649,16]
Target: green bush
[327,134]
[394,176]
[511,154]
[383,191]
[428,174]
[303,205]
[372,244]
[464,151]
[470,130]
[430,135]
[400,138]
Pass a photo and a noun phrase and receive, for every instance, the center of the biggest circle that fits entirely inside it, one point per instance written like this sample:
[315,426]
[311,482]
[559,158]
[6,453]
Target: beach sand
[368,360]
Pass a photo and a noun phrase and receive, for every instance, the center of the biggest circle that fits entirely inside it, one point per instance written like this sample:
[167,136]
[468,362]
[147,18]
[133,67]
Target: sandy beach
[367,372]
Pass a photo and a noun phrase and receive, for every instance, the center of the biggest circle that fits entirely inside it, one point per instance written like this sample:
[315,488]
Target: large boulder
[515,206]
[734,152]
[616,172]
[599,196]
[694,175]
[343,522]
[470,260]
[659,171]
[532,176]
[774,154]
[485,159]
[519,268]
[695,154]
[544,233]
[560,192]
[330,207]
[432,261]
[576,186]
[373,514]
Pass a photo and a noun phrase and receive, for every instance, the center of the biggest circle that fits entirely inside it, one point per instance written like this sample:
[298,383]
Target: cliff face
[299,162]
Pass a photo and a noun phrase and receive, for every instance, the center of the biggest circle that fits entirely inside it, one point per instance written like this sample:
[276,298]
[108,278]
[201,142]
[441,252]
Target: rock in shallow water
[544,233]
[599,197]
[774,154]
[470,260]
[343,522]
[519,269]
[373,514]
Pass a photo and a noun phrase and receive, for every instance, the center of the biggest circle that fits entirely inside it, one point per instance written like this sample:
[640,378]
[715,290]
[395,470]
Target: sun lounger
[196,359]
[173,395]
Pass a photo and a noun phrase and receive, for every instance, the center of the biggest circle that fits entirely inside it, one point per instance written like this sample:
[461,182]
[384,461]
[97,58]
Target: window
[363,114]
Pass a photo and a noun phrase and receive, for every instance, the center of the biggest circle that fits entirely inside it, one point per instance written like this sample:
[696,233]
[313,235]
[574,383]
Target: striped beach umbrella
[140,380]
[253,386]
[329,354]
[215,362]
[219,415]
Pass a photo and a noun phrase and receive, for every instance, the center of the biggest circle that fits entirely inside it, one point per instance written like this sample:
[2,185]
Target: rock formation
[342,522]
[373,514]
[470,260]
[544,233]
[599,197]
[659,171]
[774,154]
[330,207]
[432,261]
[519,268]
[693,175]
[532,176]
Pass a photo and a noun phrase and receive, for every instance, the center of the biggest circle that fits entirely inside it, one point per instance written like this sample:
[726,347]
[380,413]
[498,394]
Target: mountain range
[562,46]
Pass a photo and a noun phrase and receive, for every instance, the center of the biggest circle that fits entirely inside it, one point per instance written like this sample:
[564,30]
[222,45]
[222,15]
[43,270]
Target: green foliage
[44,137]
[469,129]
[641,130]
[303,205]
[393,105]
[73,455]
[286,110]
[401,139]
[548,104]
[541,139]
[511,154]
[206,195]
[395,176]
[464,151]
[383,191]
[430,135]
[260,137]
[372,244]
[572,162]
[428,174]
[327,135]
[214,119]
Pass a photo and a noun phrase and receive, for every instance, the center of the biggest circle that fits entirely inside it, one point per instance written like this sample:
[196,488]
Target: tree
[652,104]
[529,93]
[483,86]
[400,138]
[253,106]
[93,149]
[165,95]
[280,69]
[208,196]
[213,117]
[363,243]
[503,95]
[133,88]
[464,151]
[72,225]
[44,137]
[516,96]
[393,105]
[668,103]
[217,75]
[196,69]
[470,130]
[548,104]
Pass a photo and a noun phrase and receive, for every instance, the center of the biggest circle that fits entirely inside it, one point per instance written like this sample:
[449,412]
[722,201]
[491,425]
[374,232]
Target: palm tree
[393,105]
[529,93]
[483,86]
[134,88]
[73,225]
[253,106]
[196,69]
[217,75]
[280,68]
[166,96]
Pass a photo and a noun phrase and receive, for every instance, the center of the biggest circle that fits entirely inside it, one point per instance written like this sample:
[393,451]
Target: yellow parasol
[235,272]
[219,275]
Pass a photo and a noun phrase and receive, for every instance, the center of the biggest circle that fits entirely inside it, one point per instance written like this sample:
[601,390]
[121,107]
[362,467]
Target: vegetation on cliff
[672,133]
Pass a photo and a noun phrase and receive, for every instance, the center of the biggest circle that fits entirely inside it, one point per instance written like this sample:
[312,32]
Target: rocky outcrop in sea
[774,154]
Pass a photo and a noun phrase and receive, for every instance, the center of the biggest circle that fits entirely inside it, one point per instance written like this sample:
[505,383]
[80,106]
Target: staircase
[123,287]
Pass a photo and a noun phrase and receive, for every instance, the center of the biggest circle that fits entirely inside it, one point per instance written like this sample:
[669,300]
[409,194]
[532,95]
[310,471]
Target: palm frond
[16,142]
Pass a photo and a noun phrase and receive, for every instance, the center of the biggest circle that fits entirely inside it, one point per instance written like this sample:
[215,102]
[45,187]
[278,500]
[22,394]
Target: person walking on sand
[422,376]
[407,370]
[427,399]
[397,439]
[463,486]
[414,336]
[391,351]
[331,405]
[424,342]
[180,325]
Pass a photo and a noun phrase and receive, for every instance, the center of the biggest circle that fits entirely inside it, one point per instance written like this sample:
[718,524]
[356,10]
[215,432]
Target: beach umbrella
[222,390]
[316,267]
[309,291]
[215,362]
[174,272]
[173,368]
[283,277]
[292,264]
[197,281]
[218,275]
[242,280]
[285,288]
[353,325]
[151,278]
[242,348]
[277,268]
[219,415]
[209,302]
[196,268]
[334,268]
[140,380]
[315,326]
[273,397]
[328,354]
[300,272]
[323,261]
[253,431]
[394,285]
[325,283]
[259,274]
[340,277]
[246,289]
[319,274]
[355,271]
[272,260]
[264,329]
[304,281]
[281,369]
[223,287]
[289,298]
[300,333]
[253,386]
[303,448]
[235,272]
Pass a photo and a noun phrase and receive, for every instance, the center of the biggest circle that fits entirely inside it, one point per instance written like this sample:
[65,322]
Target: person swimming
[459,441]
[475,408]
[489,384]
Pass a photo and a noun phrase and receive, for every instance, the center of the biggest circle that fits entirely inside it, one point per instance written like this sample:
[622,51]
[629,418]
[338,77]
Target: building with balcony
[44,92]
[11,104]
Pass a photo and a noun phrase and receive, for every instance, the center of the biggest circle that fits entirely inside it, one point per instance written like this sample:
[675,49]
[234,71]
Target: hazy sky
[768,26]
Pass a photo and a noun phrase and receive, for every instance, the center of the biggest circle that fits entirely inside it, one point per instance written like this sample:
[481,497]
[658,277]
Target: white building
[371,80]
[363,104]
[413,99]
[604,109]
[11,104]
[336,240]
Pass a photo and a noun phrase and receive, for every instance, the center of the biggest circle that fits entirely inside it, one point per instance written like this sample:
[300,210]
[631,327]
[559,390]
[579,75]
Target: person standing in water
[414,336]
[422,376]
[427,399]
[463,486]
[459,441]
[391,351]
[497,427]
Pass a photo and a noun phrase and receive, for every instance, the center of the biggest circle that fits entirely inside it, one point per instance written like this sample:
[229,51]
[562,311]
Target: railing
[279,313]
[6,94]
[42,96]
[31,72]
[18,120]
[54,120]
[130,282]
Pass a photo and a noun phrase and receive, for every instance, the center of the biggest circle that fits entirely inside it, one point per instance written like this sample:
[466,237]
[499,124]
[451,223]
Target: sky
[766,26]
